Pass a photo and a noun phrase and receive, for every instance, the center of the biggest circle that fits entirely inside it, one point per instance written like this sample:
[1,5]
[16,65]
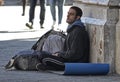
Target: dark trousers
[32,10]
[53,62]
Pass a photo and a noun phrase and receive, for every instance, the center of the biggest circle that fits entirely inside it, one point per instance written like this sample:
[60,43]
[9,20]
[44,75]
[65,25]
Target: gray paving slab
[15,37]
[10,47]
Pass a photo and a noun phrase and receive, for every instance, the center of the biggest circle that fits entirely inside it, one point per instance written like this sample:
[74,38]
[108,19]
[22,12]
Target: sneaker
[53,25]
[40,66]
[10,64]
[41,26]
[29,25]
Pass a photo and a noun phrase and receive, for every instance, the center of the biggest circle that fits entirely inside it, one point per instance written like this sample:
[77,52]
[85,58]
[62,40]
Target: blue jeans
[32,10]
[59,3]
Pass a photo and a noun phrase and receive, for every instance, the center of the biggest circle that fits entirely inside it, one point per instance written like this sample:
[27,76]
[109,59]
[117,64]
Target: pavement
[15,37]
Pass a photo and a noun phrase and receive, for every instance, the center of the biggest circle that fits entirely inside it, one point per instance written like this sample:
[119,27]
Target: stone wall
[117,58]
[101,18]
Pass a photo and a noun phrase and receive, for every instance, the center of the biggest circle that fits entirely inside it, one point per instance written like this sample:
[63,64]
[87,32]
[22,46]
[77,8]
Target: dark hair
[78,10]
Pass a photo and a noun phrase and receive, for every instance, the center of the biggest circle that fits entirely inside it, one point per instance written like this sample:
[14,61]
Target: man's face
[71,16]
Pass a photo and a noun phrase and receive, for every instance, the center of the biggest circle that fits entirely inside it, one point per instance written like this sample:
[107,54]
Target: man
[76,47]
[59,3]
[32,12]
[24,2]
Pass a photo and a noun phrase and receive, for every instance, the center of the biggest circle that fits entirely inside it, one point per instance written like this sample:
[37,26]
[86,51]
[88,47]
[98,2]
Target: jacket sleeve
[75,49]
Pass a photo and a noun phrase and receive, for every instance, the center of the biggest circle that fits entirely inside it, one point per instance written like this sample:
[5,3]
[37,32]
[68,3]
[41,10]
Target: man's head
[74,14]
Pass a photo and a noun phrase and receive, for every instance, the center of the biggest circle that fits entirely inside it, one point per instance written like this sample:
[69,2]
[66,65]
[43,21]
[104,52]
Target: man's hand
[55,54]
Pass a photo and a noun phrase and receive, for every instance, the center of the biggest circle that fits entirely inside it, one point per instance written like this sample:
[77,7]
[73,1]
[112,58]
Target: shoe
[40,66]
[53,25]
[59,27]
[41,26]
[29,25]
[10,64]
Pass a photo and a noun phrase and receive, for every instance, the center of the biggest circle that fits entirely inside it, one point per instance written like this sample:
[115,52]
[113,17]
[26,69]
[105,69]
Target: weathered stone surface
[117,58]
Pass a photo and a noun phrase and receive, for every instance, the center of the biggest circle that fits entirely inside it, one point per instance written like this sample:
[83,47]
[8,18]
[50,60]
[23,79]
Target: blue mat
[86,69]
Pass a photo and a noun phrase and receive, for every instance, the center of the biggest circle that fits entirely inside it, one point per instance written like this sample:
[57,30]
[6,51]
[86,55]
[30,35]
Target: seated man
[76,46]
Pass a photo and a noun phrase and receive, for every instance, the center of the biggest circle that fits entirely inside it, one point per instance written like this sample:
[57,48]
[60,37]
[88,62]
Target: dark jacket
[76,47]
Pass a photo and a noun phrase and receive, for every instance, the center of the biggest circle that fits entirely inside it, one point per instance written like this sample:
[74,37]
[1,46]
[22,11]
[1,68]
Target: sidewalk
[15,37]
[13,22]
